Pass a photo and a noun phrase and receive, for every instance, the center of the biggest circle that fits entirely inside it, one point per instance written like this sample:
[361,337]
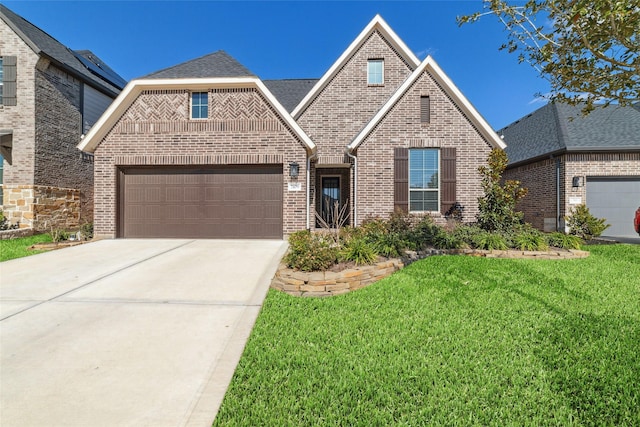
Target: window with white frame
[199,105]
[424,180]
[375,71]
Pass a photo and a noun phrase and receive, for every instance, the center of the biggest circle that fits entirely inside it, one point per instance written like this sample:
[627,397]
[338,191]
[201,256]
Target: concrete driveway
[128,332]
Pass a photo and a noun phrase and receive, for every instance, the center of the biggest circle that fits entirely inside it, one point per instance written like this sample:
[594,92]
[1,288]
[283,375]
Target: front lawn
[452,340]
[18,248]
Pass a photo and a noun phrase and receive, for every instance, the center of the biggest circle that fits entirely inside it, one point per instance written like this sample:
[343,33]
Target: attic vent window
[375,72]
[425,109]
[199,105]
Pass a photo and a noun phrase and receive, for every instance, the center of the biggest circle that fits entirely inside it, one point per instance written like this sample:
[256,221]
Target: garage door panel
[202,203]
[616,200]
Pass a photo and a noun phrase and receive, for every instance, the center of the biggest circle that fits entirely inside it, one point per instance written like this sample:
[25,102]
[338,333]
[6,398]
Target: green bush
[530,240]
[424,232]
[448,240]
[358,251]
[389,245]
[5,224]
[490,241]
[86,230]
[310,251]
[583,224]
[564,241]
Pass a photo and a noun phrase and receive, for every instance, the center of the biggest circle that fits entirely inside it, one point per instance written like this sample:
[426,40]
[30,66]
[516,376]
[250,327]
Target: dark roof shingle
[289,92]
[216,64]
[43,43]
[560,127]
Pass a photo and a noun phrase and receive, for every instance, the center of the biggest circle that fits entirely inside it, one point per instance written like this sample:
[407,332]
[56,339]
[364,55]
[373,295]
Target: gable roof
[559,127]
[130,93]
[216,64]
[376,24]
[290,91]
[429,65]
[43,44]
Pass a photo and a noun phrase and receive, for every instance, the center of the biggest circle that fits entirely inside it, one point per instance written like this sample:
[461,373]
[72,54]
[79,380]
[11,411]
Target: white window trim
[437,191]
[191,106]
[372,60]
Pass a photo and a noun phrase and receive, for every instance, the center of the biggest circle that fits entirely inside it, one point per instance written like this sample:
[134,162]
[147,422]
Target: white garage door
[615,199]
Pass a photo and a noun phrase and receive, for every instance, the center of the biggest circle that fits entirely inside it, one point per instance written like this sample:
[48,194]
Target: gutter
[309,158]
[355,184]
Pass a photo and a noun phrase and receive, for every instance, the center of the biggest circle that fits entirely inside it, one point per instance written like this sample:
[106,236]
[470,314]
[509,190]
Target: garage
[224,202]
[615,199]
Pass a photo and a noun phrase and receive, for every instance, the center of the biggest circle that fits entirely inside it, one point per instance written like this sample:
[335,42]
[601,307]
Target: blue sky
[294,39]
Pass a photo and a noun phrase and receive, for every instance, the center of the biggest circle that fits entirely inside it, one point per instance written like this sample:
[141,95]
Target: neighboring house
[566,159]
[51,95]
[207,149]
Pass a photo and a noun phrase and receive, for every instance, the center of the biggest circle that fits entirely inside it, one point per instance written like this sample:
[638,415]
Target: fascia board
[461,101]
[130,93]
[376,23]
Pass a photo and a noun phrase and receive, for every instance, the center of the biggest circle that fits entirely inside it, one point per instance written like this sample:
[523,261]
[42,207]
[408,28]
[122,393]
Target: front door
[330,204]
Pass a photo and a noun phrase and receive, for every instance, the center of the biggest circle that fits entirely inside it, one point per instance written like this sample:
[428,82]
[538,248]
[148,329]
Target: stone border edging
[330,283]
[14,234]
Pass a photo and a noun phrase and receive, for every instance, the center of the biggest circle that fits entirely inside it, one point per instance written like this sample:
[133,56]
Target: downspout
[309,158]
[355,184]
[557,193]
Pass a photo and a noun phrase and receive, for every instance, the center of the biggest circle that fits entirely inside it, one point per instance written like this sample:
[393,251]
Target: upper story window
[375,72]
[424,180]
[199,105]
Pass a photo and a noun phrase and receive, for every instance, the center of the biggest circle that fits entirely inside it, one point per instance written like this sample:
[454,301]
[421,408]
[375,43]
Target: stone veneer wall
[42,207]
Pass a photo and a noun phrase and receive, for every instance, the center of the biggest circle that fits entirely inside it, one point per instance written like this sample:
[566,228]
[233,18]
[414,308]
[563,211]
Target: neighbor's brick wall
[19,118]
[156,130]
[401,127]
[539,178]
[596,164]
[58,162]
[347,103]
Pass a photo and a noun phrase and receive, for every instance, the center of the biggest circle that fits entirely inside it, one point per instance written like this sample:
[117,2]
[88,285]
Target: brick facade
[242,128]
[46,126]
[402,127]
[539,206]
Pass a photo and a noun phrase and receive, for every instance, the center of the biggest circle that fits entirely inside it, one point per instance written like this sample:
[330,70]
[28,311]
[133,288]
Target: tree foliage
[497,208]
[588,50]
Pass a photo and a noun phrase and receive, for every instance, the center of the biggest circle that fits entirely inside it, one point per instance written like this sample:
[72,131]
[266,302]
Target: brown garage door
[222,202]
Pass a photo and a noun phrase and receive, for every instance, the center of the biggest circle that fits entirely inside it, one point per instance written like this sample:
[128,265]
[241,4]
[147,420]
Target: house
[566,159]
[207,149]
[51,95]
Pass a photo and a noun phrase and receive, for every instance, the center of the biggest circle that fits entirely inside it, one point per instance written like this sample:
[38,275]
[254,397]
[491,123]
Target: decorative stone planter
[328,283]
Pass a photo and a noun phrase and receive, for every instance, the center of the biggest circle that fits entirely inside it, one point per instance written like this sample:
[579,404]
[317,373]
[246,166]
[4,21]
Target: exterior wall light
[294,170]
[578,181]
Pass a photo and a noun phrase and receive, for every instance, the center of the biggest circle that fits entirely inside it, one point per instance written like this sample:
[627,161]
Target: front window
[199,105]
[375,72]
[424,180]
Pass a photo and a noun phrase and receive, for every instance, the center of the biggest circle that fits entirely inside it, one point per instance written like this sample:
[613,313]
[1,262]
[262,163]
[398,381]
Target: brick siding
[539,178]
[156,130]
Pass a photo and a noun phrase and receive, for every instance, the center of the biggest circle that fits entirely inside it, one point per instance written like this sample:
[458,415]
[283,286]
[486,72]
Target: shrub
[448,240]
[583,224]
[387,244]
[6,225]
[424,232]
[564,241]
[467,233]
[530,240]
[490,241]
[400,222]
[310,252]
[358,251]
[497,208]
[86,230]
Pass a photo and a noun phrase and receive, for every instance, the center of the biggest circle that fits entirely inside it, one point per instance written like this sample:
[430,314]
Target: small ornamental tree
[498,205]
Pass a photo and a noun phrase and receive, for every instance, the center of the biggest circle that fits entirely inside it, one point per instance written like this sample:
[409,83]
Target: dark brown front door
[221,202]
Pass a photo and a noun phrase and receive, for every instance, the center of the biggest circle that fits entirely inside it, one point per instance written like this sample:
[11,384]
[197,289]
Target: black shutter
[425,109]
[448,178]
[9,80]
[401,179]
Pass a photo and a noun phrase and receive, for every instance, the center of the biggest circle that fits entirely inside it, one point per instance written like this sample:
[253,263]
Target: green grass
[17,248]
[452,340]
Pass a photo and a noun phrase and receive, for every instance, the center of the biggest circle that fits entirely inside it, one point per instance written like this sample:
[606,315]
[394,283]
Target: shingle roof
[289,92]
[558,127]
[43,44]
[216,64]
